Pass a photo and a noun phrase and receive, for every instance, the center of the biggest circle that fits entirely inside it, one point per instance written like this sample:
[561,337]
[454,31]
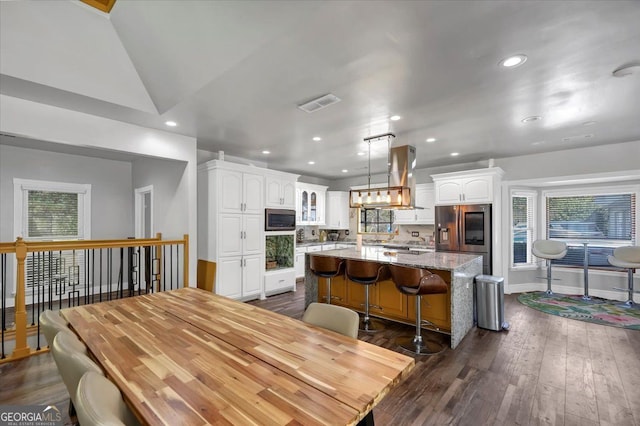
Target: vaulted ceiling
[232,74]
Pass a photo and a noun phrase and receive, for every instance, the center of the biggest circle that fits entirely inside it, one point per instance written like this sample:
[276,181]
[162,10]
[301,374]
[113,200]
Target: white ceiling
[232,73]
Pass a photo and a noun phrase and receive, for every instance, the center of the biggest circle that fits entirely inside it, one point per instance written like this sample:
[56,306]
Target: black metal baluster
[100,293]
[3,284]
[164,268]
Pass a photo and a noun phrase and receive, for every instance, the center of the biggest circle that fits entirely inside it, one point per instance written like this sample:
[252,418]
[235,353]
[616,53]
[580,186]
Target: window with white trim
[523,231]
[605,218]
[48,211]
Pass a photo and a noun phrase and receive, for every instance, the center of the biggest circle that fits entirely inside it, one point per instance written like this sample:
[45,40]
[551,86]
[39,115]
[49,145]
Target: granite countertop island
[463,268]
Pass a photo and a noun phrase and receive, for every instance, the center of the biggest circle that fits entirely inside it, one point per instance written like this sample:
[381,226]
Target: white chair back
[99,402]
[335,318]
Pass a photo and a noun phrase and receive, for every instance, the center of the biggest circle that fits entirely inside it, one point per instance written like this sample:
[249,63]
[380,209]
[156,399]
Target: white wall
[169,193]
[112,206]
[46,123]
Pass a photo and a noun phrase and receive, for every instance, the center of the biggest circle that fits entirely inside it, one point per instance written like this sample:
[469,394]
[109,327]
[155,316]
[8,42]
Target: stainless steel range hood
[400,192]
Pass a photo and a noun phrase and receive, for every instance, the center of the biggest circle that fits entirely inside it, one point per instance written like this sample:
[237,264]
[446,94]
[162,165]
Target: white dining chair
[72,363]
[332,317]
[99,403]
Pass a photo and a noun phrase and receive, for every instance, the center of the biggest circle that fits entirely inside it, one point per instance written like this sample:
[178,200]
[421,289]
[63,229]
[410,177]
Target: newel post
[22,349]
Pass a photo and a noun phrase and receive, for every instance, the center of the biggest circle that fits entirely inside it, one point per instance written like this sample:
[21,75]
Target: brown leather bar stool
[326,267]
[416,282]
[367,273]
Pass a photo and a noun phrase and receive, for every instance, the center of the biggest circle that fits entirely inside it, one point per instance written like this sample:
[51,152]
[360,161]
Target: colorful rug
[598,311]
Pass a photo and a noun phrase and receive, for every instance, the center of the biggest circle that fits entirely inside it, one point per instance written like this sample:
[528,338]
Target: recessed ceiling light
[431,140]
[455,154]
[395,118]
[514,61]
[589,136]
[312,162]
[361,153]
[537,143]
[345,171]
[567,139]
[317,138]
[531,118]
[589,123]
[171,123]
[265,152]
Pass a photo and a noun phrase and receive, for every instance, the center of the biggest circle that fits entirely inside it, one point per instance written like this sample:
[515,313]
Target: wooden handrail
[21,248]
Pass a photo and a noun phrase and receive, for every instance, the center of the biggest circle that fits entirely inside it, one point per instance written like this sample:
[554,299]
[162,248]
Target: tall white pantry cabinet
[231,204]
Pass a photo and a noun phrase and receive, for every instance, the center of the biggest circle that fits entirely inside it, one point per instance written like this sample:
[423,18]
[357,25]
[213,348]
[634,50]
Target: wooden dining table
[189,356]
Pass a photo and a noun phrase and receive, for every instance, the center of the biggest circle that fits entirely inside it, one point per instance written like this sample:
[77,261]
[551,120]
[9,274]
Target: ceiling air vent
[321,102]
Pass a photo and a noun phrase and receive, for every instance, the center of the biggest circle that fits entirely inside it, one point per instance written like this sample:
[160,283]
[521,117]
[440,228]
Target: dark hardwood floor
[545,370]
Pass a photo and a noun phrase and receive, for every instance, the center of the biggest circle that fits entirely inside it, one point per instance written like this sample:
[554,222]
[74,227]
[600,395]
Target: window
[46,211]
[604,218]
[376,221]
[522,227]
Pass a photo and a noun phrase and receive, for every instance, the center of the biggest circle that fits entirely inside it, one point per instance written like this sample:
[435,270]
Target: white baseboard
[564,289]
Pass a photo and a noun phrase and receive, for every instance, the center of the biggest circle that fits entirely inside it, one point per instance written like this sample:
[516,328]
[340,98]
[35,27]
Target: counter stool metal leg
[586,296]
[630,301]
[416,344]
[328,290]
[549,291]
[367,324]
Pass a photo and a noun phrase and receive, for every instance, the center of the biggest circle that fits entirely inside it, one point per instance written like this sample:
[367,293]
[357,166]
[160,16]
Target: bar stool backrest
[416,281]
[325,266]
[366,272]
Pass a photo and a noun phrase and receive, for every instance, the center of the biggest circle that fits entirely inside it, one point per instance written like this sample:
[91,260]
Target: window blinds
[609,217]
[52,214]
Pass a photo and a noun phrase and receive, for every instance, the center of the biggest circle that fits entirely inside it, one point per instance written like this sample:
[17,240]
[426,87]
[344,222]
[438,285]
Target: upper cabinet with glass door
[310,204]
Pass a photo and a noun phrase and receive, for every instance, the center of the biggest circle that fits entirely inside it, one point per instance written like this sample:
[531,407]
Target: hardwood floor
[545,370]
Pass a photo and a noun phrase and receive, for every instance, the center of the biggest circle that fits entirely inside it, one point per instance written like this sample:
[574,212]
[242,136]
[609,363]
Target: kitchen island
[451,314]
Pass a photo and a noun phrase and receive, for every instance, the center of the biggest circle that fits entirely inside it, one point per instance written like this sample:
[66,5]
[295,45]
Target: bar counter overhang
[463,268]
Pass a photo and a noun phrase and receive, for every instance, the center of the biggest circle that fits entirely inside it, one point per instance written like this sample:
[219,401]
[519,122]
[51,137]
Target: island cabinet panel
[384,299]
[389,301]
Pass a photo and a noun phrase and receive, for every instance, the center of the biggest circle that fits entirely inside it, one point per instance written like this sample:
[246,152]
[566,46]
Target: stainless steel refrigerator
[465,229]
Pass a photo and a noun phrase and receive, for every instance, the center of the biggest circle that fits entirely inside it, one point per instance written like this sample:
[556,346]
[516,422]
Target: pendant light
[398,196]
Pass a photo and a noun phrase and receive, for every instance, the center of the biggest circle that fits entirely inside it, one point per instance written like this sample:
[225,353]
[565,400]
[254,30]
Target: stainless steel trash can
[490,302]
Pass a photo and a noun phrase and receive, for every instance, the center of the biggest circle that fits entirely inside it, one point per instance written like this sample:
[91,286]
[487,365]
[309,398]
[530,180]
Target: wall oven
[279,220]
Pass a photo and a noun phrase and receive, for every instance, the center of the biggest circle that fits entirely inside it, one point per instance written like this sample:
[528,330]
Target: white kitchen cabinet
[239,277]
[280,191]
[311,249]
[279,281]
[240,192]
[425,198]
[240,234]
[472,187]
[337,210]
[231,203]
[300,261]
[310,203]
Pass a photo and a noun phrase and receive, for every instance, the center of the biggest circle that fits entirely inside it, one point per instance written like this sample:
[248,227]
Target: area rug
[598,311]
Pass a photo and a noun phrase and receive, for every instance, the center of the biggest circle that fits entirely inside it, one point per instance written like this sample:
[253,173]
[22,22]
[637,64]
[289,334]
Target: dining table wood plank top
[189,356]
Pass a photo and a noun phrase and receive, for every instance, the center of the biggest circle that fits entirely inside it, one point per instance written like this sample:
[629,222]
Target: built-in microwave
[279,220]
